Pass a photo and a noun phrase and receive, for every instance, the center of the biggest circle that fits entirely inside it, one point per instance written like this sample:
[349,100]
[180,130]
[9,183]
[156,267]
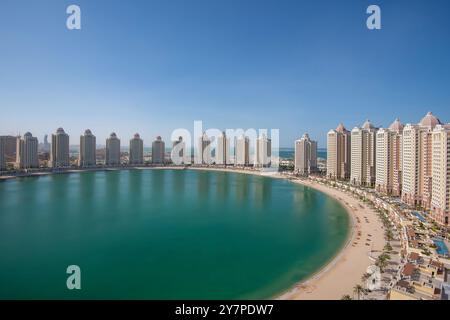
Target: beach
[339,276]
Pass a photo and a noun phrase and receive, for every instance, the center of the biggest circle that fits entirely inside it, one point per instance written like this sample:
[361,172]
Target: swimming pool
[441,247]
[419,216]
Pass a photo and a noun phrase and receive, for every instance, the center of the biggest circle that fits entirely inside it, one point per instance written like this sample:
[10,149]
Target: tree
[365,276]
[346,297]
[357,290]
[388,247]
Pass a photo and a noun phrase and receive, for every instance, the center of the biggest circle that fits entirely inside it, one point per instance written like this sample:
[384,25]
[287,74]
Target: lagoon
[163,234]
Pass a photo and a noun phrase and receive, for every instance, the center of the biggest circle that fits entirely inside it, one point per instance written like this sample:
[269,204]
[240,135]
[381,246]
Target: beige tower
[27,152]
[338,153]
[223,150]
[440,200]
[242,151]
[136,150]
[305,155]
[204,150]
[59,156]
[158,151]
[113,150]
[384,157]
[87,157]
[263,151]
[417,160]
[2,153]
[363,153]
[388,159]
[179,154]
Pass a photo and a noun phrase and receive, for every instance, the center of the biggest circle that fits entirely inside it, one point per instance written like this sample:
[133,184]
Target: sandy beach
[339,276]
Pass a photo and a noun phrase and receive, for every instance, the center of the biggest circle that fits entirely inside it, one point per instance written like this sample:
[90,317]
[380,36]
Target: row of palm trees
[382,260]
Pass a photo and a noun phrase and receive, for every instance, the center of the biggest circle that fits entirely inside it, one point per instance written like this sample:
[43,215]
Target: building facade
[338,153]
[87,156]
[223,150]
[179,154]
[136,150]
[363,155]
[305,161]
[440,200]
[204,150]
[2,153]
[158,151]
[59,156]
[27,152]
[242,151]
[263,152]
[112,150]
[417,161]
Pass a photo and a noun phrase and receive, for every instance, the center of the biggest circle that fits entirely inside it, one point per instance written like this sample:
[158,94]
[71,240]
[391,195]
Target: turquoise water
[163,234]
[441,247]
[419,216]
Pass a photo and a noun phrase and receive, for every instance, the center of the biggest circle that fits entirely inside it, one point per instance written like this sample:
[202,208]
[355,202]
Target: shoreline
[342,272]
[338,277]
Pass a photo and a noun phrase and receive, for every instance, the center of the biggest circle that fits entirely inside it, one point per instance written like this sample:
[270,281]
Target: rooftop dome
[396,125]
[113,135]
[368,125]
[429,120]
[341,128]
[158,138]
[60,130]
[28,135]
[87,132]
[305,136]
[137,136]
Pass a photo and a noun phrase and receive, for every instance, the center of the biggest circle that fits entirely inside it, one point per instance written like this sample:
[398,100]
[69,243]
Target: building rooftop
[396,126]
[429,120]
[368,125]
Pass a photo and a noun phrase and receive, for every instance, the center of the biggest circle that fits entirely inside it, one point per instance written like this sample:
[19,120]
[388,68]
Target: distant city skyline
[155,66]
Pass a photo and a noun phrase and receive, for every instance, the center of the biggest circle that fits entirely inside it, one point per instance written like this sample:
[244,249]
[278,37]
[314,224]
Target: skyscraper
[397,157]
[158,151]
[363,157]
[242,151]
[417,161]
[204,150]
[263,151]
[113,150]
[223,150]
[440,200]
[179,154]
[44,147]
[59,156]
[338,153]
[136,150]
[87,157]
[2,152]
[27,152]
[305,155]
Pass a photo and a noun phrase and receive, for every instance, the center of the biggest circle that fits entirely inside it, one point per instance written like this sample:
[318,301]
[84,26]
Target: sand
[345,271]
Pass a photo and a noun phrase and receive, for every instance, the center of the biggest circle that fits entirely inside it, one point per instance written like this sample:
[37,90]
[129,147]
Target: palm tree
[382,261]
[365,276]
[357,290]
[388,247]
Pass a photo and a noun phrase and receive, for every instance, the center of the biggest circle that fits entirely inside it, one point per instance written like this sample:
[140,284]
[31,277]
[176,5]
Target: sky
[153,66]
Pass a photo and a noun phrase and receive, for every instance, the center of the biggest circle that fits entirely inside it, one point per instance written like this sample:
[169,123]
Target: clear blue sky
[153,66]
